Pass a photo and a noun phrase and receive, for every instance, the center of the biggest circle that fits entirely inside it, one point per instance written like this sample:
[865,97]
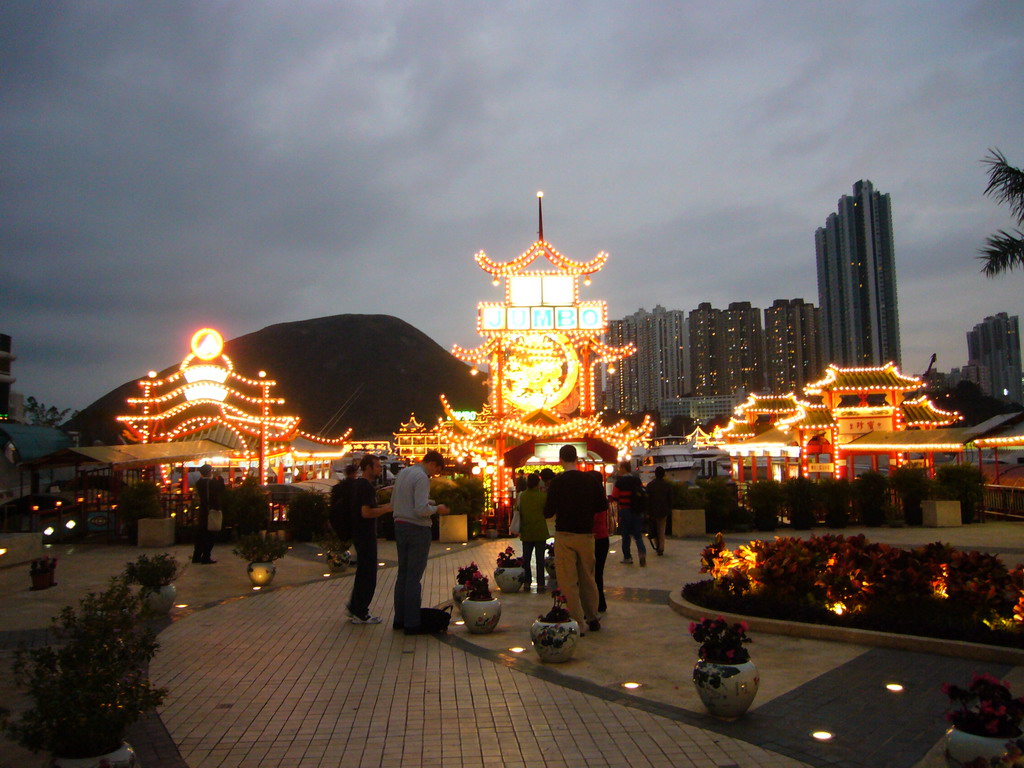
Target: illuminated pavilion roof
[880,379]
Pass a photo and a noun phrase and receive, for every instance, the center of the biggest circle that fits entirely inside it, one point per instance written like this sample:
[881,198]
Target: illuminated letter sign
[492,318]
[543,318]
[565,318]
[518,318]
[590,318]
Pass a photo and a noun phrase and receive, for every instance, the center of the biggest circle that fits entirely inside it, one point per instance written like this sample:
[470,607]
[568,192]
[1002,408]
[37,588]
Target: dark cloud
[169,164]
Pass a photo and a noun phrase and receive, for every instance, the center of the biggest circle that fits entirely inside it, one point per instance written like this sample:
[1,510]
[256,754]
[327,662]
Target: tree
[1004,250]
[41,415]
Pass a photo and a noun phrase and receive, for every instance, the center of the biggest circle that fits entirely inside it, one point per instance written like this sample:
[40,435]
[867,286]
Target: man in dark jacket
[659,504]
[574,498]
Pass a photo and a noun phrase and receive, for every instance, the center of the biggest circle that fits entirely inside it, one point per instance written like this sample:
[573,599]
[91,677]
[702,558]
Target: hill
[373,369]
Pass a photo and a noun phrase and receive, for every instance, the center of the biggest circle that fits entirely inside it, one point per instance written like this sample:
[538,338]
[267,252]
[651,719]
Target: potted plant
[765,498]
[135,502]
[337,552]
[725,677]
[555,633]
[510,573]
[307,515]
[480,609]
[88,689]
[42,571]
[260,552]
[549,566]
[983,717]
[154,574]
[462,578]
[962,483]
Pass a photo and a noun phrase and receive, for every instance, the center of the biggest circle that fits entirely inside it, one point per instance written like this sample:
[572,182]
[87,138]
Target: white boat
[684,460]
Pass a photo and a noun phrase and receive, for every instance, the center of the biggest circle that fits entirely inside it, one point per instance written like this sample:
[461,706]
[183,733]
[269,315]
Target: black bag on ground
[435,620]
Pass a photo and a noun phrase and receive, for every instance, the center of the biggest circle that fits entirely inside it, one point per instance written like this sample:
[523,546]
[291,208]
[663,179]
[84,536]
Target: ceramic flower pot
[161,600]
[261,574]
[555,641]
[481,616]
[122,757]
[509,579]
[727,690]
[963,747]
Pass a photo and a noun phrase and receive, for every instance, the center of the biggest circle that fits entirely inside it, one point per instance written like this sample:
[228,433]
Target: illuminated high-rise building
[857,281]
[792,345]
[994,344]
[707,351]
[743,344]
[658,369]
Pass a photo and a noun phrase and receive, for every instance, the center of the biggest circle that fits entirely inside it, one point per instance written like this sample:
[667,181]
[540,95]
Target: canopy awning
[130,456]
[912,440]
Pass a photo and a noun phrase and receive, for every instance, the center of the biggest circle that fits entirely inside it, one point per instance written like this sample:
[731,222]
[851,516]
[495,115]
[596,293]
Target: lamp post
[263,427]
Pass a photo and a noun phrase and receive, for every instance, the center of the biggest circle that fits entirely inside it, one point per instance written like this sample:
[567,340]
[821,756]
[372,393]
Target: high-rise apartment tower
[792,345]
[995,344]
[658,369]
[857,281]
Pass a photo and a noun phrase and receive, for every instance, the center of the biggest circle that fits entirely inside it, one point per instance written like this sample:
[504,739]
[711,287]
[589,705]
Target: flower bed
[932,591]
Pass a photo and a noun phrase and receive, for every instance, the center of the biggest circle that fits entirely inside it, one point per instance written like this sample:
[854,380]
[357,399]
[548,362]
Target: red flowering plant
[508,559]
[558,612]
[465,574]
[478,587]
[720,641]
[985,708]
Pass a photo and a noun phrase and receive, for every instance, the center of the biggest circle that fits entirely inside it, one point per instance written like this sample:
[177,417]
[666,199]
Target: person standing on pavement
[600,546]
[574,497]
[627,488]
[410,501]
[210,495]
[533,529]
[659,505]
[364,511]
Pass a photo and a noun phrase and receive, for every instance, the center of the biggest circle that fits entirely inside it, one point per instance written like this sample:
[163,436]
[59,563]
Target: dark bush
[246,507]
[964,483]
[912,486]
[307,515]
[834,497]
[719,503]
[765,498]
[800,495]
[869,496]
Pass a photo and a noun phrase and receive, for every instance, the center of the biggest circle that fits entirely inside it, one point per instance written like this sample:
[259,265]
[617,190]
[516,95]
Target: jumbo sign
[588,317]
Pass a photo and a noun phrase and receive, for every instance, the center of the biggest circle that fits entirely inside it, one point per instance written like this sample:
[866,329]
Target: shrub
[307,515]
[764,497]
[246,507]
[255,548]
[964,483]
[139,500]
[687,496]
[834,496]
[87,690]
[719,503]
[912,486]
[152,572]
[869,496]
[800,494]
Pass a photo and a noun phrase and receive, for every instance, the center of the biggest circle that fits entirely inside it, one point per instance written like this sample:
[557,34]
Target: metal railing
[1004,501]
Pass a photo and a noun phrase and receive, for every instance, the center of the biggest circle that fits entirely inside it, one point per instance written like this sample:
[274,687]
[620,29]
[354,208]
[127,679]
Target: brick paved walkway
[281,679]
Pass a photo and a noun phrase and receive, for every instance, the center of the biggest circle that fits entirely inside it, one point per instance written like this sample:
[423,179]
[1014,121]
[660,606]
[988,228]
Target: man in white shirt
[410,501]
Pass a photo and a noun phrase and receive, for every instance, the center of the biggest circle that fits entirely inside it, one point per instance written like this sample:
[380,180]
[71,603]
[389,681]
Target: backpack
[340,516]
[638,501]
[435,620]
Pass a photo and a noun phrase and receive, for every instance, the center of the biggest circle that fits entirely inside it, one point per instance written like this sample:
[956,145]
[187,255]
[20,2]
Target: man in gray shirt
[412,510]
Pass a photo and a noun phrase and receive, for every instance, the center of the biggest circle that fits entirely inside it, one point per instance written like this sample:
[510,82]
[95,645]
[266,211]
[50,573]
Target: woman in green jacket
[533,528]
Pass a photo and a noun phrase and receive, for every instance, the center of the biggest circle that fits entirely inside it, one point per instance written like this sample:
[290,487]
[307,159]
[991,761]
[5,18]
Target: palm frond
[1005,183]
[1003,252]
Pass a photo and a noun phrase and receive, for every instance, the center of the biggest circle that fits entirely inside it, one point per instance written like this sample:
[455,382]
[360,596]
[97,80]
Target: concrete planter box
[21,548]
[940,514]
[156,532]
[688,522]
[453,528]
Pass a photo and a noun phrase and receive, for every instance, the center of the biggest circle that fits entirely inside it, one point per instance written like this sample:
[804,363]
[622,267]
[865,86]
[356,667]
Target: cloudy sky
[168,165]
